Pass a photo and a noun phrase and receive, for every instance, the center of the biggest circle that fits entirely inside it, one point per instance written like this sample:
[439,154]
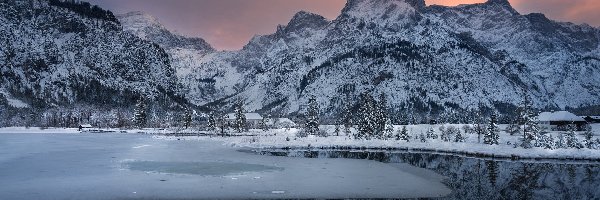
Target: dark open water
[486,178]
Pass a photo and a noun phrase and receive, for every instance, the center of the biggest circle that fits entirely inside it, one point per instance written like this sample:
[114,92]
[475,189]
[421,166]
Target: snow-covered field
[64,164]
[282,138]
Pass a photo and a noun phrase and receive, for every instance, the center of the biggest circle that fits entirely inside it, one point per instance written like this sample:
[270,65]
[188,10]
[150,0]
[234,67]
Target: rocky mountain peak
[303,19]
[504,4]
[149,28]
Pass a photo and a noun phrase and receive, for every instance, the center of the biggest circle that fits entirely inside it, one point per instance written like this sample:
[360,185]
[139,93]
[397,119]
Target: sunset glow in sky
[229,24]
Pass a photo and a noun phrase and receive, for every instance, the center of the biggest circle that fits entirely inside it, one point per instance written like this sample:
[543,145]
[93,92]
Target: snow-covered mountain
[428,60]
[62,54]
[432,62]
[185,53]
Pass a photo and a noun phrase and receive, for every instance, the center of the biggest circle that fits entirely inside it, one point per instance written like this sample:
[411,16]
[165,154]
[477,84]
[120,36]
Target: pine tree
[263,124]
[431,134]
[389,129]
[444,134]
[381,116]
[546,141]
[493,133]
[571,138]
[212,121]
[366,120]
[347,119]
[531,129]
[422,137]
[187,118]
[222,124]
[240,118]
[140,113]
[561,143]
[337,130]
[456,132]
[588,135]
[513,128]
[312,122]
[478,126]
[403,135]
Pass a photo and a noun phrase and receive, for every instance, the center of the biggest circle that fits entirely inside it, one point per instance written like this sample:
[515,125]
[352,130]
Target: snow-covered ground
[282,138]
[64,164]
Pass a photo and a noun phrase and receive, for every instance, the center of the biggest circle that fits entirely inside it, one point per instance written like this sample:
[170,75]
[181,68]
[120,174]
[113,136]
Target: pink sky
[229,24]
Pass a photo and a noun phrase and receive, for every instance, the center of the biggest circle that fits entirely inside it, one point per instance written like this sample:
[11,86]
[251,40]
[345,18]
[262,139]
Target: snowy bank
[286,139]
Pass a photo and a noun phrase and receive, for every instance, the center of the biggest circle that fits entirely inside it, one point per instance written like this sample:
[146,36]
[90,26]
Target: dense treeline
[85,9]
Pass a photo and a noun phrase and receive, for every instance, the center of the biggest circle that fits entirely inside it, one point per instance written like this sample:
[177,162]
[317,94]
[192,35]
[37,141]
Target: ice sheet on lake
[90,166]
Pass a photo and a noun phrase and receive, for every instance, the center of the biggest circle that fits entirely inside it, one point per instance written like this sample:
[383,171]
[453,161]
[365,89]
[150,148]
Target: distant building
[591,119]
[252,119]
[559,120]
[85,127]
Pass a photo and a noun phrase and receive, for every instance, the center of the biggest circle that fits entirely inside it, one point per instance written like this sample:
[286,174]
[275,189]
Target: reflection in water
[475,178]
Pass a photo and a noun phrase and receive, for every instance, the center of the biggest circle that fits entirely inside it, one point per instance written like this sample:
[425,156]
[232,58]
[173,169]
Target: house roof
[249,116]
[559,116]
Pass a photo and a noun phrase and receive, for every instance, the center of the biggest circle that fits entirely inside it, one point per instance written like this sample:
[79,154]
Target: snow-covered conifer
[263,124]
[431,134]
[588,135]
[366,121]
[422,137]
[240,118]
[347,118]
[513,128]
[456,132]
[380,116]
[546,141]
[212,121]
[493,132]
[140,113]
[571,138]
[337,130]
[312,115]
[389,129]
[403,134]
[187,118]
[528,118]
[561,143]
[444,134]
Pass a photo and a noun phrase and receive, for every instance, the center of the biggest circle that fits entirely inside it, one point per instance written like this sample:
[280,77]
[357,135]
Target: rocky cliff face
[62,54]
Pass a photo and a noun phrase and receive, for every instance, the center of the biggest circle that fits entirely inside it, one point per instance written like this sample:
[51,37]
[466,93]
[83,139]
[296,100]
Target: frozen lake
[127,166]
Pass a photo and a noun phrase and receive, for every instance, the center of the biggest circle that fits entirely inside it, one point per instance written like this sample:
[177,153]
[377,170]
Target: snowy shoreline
[500,152]
[286,139]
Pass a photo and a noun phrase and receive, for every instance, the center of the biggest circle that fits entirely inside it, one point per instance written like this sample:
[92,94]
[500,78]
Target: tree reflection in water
[478,178]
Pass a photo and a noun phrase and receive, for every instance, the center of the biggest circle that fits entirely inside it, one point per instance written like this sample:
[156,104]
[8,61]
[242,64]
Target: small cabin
[85,127]
[558,121]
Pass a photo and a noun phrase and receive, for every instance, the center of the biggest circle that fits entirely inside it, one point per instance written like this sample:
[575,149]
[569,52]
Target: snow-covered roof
[249,116]
[86,126]
[559,116]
